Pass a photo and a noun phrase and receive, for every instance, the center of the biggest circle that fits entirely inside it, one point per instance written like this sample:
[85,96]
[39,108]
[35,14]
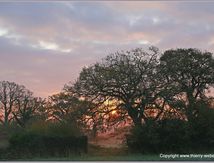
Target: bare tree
[28,108]
[9,93]
[17,103]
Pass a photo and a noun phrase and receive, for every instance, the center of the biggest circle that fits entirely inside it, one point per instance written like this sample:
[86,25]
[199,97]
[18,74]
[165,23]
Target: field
[107,147]
[97,153]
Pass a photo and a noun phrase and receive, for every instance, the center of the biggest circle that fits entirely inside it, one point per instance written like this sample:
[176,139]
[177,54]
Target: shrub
[48,139]
[11,129]
[143,139]
[173,136]
[169,135]
[54,129]
[27,143]
[202,127]
[177,136]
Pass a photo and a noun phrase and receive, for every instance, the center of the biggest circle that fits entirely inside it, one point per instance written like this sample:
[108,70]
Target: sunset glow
[107,80]
[44,45]
[114,112]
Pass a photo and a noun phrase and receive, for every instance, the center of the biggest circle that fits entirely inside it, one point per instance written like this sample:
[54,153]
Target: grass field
[99,153]
[130,157]
[109,154]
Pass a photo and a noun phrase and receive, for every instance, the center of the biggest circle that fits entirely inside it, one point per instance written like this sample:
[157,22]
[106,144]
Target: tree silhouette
[130,78]
[17,103]
[27,108]
[9,93]
[189,73]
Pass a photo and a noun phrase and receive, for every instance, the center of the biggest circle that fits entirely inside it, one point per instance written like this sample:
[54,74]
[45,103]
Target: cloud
[3,32]
[51,46]
[44,45]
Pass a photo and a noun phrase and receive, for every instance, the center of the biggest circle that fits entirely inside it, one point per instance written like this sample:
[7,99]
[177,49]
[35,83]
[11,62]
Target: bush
[11,129]
[26,144]
[48,139]
[202,128]
[144,139]
[54,129]
[177,136]
[169,135]
[173,136]
[43,145]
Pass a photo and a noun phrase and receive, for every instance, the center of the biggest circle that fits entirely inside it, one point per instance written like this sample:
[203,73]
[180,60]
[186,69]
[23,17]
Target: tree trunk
[190,106]
[135,116]
[6,118]
[137,121]
[94,130]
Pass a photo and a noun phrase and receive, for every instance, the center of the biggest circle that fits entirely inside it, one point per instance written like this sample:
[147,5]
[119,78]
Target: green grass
[130,157]
[103,158]
[97,153]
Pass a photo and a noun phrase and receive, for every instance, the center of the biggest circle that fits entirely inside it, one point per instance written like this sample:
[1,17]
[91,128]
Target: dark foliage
[163,136]
[174,135]
[45,139]
[202,127]
[31,144]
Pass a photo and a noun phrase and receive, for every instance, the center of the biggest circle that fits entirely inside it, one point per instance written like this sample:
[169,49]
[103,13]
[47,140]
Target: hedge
[31,144]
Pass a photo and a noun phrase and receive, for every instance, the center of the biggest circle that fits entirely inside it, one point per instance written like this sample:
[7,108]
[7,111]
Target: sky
[44,45]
